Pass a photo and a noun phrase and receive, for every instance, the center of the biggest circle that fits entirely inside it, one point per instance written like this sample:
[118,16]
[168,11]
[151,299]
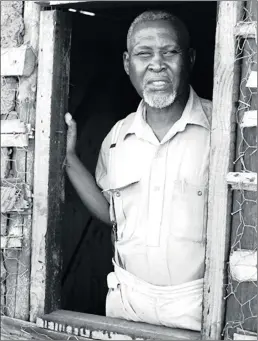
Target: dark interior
[101,94]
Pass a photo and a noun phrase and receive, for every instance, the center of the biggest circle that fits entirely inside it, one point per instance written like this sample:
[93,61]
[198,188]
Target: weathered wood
[14,140]
[54,3]
[249,119]
[17,61]
[5,162]
[225,92]
[243,265]
[107,328]
[11,265]
[3,287]
[246,29]
[242,337]
[26,104]
[13,127]
[14,329]
[15,133]
[11,242]
[52,103]
[252,80]
[3,224]
[242,181]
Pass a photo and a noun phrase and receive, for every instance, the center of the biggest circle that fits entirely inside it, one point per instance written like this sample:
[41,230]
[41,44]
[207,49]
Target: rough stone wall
[12,26]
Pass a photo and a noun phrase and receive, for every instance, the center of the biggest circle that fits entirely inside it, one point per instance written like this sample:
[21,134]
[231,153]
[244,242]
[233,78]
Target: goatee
[157,100]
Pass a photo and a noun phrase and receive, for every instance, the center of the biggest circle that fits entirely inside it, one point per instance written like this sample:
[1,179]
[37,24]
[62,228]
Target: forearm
[87,189]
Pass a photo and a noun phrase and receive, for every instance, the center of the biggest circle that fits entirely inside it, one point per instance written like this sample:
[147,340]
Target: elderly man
[153,175]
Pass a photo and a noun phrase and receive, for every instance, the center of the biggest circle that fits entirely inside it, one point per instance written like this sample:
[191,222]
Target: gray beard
[157,100]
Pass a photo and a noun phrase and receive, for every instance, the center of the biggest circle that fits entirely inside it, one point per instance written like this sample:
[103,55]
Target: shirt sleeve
[102,169]
[101,172]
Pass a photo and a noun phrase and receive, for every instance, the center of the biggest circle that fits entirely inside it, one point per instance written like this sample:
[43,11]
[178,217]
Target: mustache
[157,76]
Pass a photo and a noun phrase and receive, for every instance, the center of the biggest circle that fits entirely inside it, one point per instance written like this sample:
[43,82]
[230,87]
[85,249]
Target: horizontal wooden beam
[15,133]
[51,3]
[243,265]
[107,328]
[242,334]
[242,181]
[13,127]
[249,119]
[246,29]
[242,337]
[55,3]
[17,61]
[14,140]
[11,242]
[252,80]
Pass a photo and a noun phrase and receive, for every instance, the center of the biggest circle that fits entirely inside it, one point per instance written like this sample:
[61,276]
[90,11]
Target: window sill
[106,328]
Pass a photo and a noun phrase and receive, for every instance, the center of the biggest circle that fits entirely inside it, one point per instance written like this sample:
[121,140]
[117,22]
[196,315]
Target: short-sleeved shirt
[159,192]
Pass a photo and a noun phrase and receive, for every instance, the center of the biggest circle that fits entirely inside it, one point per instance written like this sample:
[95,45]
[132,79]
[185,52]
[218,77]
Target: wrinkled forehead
[158,32]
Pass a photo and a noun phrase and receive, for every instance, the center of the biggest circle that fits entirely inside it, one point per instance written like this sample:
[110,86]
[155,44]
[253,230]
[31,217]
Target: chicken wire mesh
[16,204]
[241,293]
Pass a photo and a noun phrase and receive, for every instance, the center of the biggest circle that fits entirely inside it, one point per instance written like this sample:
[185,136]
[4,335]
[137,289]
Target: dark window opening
[101,94]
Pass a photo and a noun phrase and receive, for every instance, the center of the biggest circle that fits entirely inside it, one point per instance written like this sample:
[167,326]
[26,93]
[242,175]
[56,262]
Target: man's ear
[192,57]
[126,62]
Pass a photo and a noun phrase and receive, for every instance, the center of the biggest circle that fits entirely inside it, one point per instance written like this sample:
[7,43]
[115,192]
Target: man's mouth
[157,84]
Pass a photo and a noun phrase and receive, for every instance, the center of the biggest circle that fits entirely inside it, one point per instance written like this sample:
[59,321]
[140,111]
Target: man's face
[159,62]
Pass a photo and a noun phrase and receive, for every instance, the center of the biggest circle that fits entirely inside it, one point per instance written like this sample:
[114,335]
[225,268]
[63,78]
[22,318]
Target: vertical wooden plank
[26,100]
[11,266]
[225,94]
[3,275]
[52,103]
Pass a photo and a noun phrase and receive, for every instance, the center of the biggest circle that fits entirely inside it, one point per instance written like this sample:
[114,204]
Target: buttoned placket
[156,195]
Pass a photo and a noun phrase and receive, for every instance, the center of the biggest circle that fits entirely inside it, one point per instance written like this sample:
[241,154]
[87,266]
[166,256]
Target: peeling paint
[69,330]
[51,326]
[85,332]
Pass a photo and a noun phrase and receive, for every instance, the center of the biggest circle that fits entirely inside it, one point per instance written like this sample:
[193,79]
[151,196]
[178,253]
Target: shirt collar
[192,114]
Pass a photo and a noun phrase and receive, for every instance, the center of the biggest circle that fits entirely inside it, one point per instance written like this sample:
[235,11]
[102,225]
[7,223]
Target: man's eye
[171,52]
[143,54]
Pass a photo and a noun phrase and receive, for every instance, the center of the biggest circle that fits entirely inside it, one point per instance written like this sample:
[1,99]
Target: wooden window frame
[50,139]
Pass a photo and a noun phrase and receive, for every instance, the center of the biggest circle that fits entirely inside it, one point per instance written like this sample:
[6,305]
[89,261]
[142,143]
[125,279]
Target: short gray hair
[152,15]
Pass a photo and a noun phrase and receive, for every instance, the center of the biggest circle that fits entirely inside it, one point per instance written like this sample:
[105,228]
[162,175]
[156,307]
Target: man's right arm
[87,189]
[82,180]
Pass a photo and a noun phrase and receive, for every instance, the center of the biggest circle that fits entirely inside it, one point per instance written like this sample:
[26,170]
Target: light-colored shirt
[160,194]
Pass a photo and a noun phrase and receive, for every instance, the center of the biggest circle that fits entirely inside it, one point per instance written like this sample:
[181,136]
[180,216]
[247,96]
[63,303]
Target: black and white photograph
[129,170]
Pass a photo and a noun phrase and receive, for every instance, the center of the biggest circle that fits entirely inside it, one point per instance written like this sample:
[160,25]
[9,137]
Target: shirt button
[118,194]
[199,193]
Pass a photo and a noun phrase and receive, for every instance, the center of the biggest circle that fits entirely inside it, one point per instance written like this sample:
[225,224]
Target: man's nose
[157,63]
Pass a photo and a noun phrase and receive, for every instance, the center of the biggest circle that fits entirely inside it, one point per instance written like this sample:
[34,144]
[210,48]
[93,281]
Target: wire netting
[16,175]
[241,294]
[16,205]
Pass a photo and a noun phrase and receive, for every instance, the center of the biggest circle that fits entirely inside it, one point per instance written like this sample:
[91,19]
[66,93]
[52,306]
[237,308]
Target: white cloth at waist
[121,276]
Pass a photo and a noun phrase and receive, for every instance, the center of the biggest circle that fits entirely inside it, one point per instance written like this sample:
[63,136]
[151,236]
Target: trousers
[130,298]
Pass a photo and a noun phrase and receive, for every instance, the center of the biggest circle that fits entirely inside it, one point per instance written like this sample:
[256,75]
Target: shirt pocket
[125,192]
[189,212]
